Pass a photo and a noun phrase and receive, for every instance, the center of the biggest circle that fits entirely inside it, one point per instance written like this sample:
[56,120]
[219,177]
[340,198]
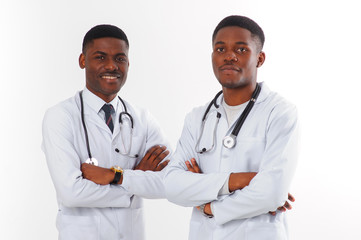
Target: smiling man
[96,148]
[237,154]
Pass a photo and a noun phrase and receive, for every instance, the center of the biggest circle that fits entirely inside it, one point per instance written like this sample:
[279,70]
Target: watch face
[117,169]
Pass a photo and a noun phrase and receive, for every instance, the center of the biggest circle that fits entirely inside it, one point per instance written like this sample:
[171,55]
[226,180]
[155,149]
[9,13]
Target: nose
[111,65]
[230,57]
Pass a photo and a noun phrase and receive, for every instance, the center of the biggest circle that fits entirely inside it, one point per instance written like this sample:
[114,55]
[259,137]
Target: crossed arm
[237,181]
[152,161]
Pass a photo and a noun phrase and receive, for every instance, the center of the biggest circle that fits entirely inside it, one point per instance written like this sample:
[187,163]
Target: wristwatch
[201,208]
[118,174]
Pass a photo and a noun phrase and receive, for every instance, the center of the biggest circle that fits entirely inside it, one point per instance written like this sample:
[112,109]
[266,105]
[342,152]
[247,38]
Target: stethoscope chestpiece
[92,161]
[229,141]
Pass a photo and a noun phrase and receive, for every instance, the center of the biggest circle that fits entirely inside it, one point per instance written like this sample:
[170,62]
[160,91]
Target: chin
[231,84]
[234,84]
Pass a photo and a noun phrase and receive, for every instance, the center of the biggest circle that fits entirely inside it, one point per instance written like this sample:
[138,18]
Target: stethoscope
[92,160]
[230,140]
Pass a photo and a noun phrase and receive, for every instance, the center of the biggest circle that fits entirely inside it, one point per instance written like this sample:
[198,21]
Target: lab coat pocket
[200,231]
[200,226]
[249,153]
[265,231]
[78,227]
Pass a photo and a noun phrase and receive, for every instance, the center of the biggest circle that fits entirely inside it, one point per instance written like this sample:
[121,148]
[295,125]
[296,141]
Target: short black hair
[243,22]
[101,31]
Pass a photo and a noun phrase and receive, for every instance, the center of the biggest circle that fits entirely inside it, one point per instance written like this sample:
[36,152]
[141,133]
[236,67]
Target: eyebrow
[103,53]
[239,43]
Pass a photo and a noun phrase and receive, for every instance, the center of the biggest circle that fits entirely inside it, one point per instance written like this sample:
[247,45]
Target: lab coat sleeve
[269,188]
[148,184]
[186,188]
[64,165]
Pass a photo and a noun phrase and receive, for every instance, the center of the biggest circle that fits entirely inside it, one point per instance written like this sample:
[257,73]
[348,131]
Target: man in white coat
[237,154]
[96,127]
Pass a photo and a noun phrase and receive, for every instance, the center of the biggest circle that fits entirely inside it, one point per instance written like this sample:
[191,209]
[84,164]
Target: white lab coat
[87,210]
[265,144]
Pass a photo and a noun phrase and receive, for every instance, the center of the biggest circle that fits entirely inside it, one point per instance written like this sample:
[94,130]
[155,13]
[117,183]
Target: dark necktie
[108,109]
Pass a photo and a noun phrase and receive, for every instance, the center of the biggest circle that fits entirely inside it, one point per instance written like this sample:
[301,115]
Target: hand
[286,206]
[99,175]
[240,180]
[153,157]
[207,209]
[194,168]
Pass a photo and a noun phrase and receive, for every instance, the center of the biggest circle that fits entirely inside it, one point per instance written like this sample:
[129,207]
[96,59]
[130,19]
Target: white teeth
[109,77]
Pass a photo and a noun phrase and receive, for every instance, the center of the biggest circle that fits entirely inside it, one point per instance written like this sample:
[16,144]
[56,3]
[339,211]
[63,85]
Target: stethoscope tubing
[230,140]
[246,111]
[125,112]
[84,126]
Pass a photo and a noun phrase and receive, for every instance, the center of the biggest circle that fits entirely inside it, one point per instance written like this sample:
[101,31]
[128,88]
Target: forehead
[107,45]
[233,34]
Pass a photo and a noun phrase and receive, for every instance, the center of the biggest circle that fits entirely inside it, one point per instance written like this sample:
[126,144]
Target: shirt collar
[96,103]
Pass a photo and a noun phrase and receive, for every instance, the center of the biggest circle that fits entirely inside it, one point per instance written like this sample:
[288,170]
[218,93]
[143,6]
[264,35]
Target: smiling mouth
[110,77]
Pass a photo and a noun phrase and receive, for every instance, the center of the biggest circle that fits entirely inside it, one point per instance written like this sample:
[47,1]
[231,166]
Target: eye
[220,49]
[100,57]
[241,50]
[121,59]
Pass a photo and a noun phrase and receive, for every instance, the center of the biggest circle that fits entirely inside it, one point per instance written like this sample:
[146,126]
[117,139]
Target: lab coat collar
[265,91]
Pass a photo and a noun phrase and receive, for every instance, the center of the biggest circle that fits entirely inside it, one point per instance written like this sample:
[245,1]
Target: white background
[313,58]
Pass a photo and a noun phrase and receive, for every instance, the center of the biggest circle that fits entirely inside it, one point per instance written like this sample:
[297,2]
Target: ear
[261,59]
[82,61]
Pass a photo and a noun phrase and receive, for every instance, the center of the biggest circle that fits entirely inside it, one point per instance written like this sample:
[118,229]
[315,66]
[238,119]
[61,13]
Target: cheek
[90,74]
[123,68]
[215,65]
[91,68]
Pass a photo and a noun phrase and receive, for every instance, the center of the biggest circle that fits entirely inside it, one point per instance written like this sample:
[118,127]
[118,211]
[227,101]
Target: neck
[106,97]
[237,96]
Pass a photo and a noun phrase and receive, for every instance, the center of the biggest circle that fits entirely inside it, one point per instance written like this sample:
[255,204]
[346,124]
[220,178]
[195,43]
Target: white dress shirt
[88,210]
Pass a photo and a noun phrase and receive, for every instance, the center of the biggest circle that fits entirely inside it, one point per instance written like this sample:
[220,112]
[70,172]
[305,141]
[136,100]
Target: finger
[162,165]
[272,213]
[160,157]
[150,151]
[282,209]
[154,156]
[291,198]
[195,166]
[287,205]
[190,167]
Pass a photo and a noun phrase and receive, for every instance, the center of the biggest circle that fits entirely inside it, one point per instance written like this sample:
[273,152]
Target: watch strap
[117,177]
[118,174]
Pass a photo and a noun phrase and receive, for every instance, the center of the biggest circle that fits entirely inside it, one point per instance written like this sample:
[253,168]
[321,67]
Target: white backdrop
[312,49]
